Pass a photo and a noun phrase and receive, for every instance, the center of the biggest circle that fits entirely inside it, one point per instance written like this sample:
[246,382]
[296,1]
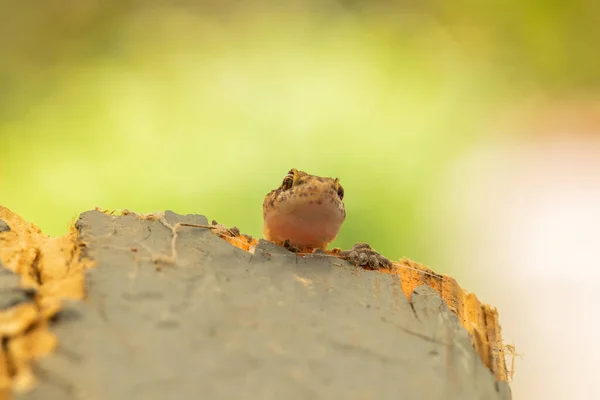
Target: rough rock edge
[44,270]
[480,320]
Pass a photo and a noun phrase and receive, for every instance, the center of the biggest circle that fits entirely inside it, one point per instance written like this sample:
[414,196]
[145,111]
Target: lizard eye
[288,182]
[340,192]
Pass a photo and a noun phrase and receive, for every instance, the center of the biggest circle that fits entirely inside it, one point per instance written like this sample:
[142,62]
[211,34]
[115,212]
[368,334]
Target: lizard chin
[310,225]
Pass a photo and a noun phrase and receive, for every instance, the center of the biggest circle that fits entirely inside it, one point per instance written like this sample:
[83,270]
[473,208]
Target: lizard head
[306,210]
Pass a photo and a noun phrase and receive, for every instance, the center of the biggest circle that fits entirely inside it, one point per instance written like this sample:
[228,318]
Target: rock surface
[180,313]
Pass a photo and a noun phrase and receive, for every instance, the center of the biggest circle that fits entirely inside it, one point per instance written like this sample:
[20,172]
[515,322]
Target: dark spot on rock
[168,324]
[4,227]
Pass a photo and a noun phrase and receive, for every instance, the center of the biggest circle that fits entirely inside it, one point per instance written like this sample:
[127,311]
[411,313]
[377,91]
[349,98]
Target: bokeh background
[466,135]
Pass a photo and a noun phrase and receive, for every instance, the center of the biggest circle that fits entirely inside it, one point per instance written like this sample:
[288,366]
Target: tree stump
[141,307]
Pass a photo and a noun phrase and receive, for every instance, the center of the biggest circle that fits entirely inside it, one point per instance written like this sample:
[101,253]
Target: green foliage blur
[204,107]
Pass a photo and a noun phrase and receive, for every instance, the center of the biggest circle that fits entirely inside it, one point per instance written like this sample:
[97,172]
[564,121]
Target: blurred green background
[203,107]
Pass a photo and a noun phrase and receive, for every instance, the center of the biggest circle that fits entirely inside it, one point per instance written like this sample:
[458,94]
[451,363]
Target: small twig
[512,350]
[199,226]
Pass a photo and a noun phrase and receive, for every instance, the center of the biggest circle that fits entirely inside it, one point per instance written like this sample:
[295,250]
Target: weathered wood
[174,311]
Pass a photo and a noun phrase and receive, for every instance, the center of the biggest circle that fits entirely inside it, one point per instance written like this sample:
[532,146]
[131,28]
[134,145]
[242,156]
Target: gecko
[305,214]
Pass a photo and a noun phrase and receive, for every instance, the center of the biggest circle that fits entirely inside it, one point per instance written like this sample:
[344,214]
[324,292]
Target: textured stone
[212,321]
